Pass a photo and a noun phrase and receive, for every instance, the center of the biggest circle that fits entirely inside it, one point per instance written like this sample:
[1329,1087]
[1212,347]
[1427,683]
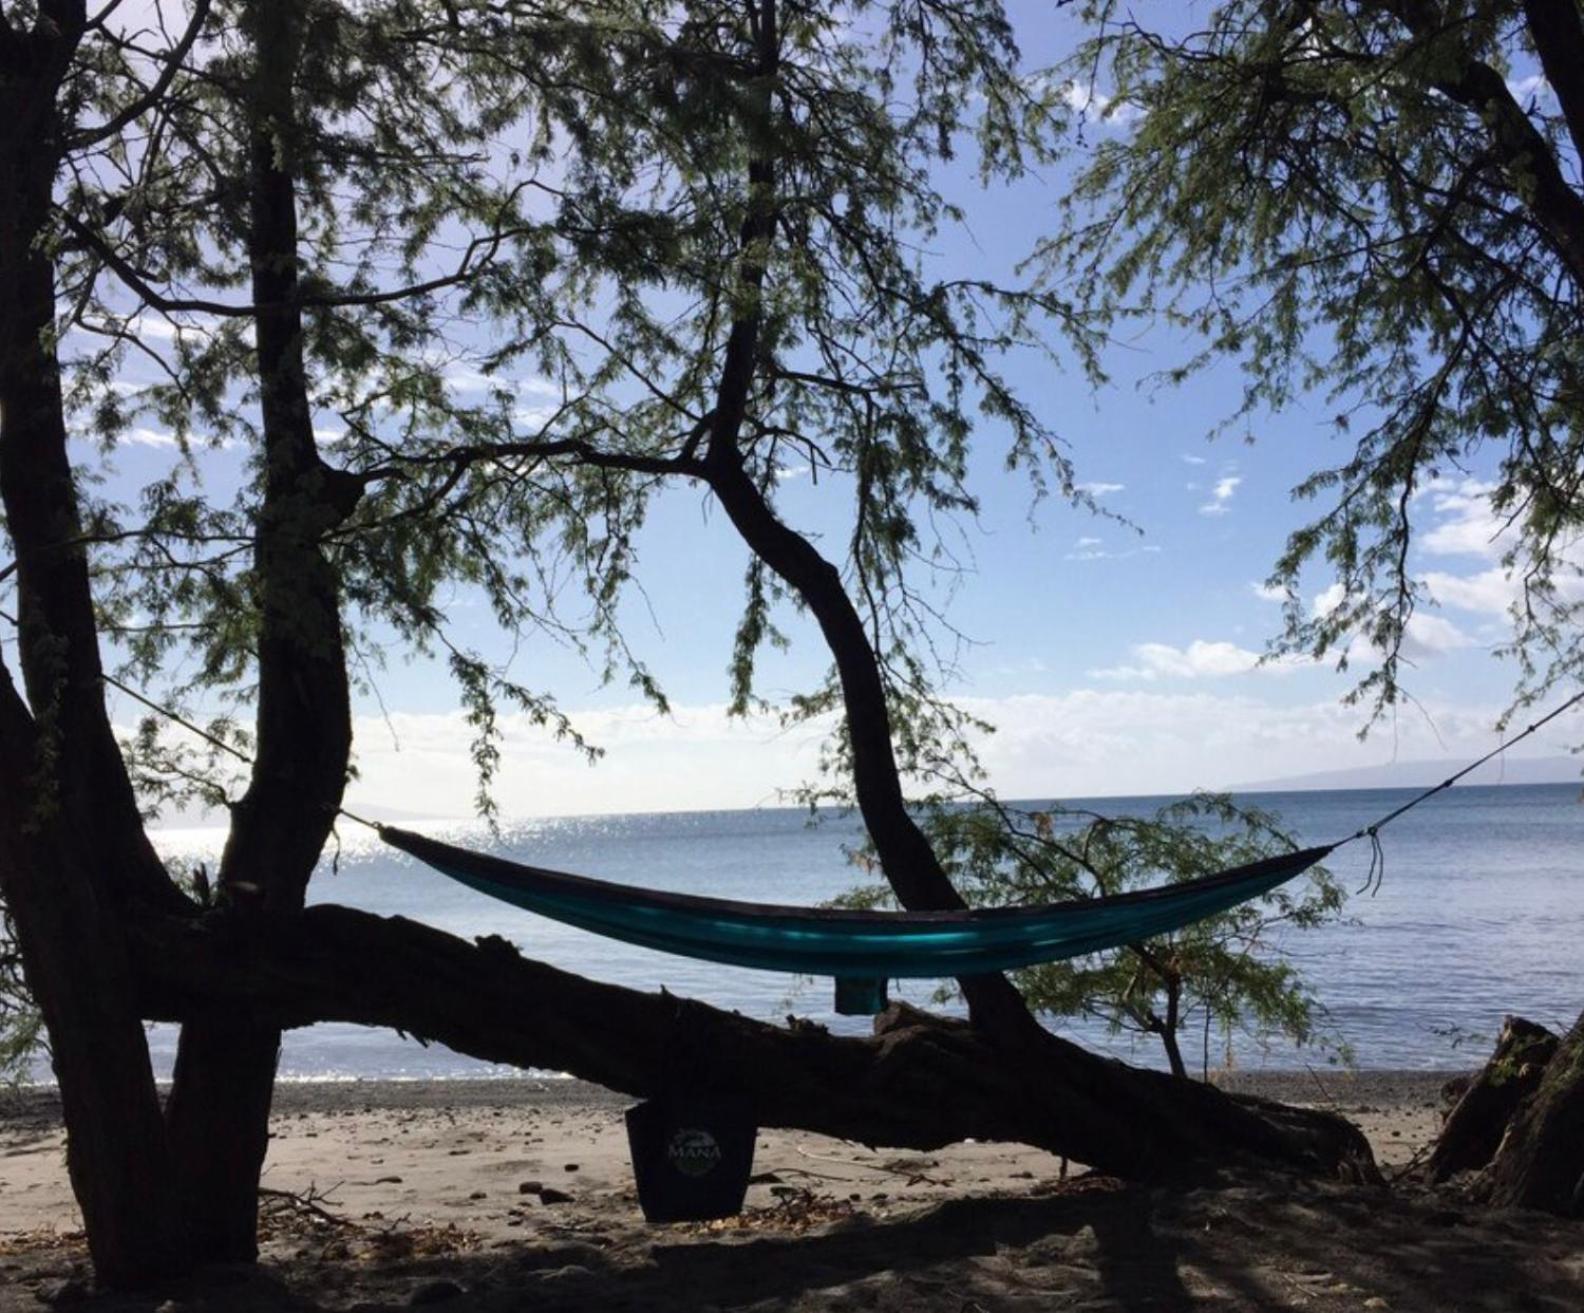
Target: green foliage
[591,164]
[1225,974]
[1352,202]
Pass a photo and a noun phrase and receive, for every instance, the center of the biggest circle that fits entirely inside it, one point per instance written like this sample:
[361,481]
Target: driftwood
[919,1082]
[1474,1128]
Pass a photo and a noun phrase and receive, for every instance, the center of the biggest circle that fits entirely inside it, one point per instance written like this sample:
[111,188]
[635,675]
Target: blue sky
[1114,658]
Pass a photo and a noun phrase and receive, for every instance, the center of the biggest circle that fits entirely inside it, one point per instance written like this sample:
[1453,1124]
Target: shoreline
[1339,1088]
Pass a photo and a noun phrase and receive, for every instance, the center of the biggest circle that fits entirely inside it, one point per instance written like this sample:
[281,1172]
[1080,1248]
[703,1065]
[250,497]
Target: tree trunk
[72,848]
[1540,1163]
[225,1065]
[1475,1126]
[78,973]
[919,1082]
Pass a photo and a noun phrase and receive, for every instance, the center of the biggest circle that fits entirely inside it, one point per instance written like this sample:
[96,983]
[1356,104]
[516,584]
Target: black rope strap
[211,739]
[1377,868]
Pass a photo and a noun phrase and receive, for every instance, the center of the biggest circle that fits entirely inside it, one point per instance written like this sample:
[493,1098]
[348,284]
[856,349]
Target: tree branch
[1526,156]
[151,97]
[1557,27]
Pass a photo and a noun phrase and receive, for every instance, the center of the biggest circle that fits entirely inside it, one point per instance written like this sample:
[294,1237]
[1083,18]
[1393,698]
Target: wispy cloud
[463,377]
[1081,743]
[1085,98]
[1085,742]
[1221,495]
[1468,525]
[1098,489]
[1535,87]
[1201,659]
[1094,549]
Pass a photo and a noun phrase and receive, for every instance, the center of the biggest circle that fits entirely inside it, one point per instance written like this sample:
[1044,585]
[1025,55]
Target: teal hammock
[861,949]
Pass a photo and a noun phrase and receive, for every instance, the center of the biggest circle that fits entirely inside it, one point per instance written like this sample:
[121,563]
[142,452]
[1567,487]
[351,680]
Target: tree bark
[1557,29]
[77,970]
[72,849]
[920,1082]
[219,1106]
[1540,1163]
[1474,1128]
[1533,168]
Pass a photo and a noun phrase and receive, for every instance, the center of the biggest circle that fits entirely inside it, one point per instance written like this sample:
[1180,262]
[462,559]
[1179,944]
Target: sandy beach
[495,1195]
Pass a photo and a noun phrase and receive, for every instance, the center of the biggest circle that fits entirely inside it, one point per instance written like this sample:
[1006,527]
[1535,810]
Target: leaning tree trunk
[72,850]
[906,856]
[224,1079]
[1540,1163]
[920,1082]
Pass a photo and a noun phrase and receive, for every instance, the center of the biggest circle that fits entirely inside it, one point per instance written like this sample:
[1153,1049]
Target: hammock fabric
[861,949]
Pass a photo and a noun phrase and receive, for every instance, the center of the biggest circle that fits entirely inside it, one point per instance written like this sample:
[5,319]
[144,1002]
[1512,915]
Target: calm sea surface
[1481,913]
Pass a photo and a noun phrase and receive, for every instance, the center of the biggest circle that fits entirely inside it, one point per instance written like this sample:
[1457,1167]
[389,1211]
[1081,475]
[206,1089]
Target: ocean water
[1480,913]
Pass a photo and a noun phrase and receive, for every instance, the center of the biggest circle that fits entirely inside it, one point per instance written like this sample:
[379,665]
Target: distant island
[1423,774]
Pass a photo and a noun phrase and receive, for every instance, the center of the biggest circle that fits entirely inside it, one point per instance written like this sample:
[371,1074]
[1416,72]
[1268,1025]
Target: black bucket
[691,1157]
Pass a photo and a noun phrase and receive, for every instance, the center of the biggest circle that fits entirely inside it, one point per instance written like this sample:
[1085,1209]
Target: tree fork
[225,1067]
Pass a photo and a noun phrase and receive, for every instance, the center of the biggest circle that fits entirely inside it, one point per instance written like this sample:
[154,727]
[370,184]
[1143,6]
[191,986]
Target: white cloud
[1328,599]
[1534,87]
[1468,527]
[1201,659]
[1221,495]
[1092,742]
[1087,99]
[1268,592]
[1094,549]
[1490,592]
[696,758]
[1431,635]
[462,377]
[1193,460]
[534,417]
[1427,635]
[147,437]
[1083,743]
[1495,591]
[152,326]
[1099,489]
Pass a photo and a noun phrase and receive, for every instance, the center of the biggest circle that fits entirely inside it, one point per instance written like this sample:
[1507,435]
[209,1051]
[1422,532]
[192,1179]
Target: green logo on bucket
[693,1152]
